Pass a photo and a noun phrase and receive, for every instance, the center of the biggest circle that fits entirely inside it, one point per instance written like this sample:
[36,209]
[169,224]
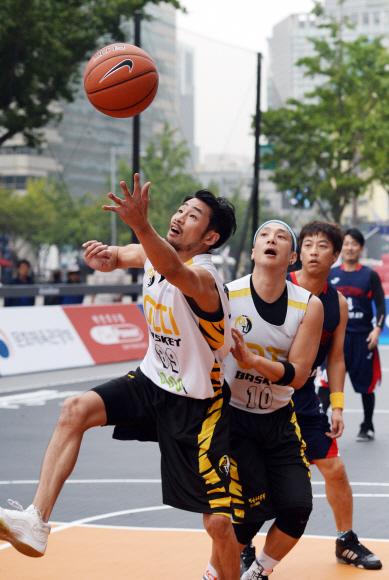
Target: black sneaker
[365,434]
[350,551]
[247,557]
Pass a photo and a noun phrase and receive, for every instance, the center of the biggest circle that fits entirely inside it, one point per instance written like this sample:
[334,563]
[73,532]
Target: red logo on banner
[110,332]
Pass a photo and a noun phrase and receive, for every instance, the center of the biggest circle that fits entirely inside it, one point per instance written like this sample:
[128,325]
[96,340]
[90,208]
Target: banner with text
[41,338]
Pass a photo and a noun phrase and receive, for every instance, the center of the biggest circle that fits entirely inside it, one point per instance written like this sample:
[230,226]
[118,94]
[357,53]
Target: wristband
[288,375]
[337,400]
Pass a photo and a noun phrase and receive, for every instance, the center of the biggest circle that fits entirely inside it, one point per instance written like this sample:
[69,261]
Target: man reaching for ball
[178,391]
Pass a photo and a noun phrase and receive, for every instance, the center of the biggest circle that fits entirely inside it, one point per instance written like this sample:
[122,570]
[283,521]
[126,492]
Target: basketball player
[276,329]
[320,244]
[361,285]
[179,389]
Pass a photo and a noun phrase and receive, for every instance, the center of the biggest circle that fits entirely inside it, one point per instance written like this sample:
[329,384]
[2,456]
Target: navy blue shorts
[313,431]
[363,365]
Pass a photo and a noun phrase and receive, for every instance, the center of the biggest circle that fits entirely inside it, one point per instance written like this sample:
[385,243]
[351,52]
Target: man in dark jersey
[360,285]
[320,245]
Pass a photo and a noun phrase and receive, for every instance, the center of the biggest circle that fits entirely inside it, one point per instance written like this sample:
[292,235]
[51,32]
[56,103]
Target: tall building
[78,150]
[290,42]
[186,101]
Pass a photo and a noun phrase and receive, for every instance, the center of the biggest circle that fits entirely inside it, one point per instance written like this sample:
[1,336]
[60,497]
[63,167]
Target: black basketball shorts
[269,470]
[192,436]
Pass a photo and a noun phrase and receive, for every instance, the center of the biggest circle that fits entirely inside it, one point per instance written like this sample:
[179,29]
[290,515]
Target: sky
[225,36]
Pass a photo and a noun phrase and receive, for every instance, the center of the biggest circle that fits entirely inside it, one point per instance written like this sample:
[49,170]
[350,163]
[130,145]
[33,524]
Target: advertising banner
[39,338]
[42,338]
[110,332]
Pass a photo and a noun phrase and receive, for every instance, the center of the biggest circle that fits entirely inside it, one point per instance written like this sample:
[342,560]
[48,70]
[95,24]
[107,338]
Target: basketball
[121,80]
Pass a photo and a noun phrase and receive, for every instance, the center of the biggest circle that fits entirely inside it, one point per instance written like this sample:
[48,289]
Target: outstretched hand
[98,256]
[133,208]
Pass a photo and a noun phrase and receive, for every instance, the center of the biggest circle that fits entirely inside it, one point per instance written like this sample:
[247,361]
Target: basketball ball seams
[130,54]
[123,81]
[102,109]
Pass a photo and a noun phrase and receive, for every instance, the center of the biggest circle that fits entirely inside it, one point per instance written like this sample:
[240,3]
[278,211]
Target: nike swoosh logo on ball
[126,62]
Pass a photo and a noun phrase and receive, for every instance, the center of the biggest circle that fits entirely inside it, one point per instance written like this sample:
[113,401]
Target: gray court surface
[112,476]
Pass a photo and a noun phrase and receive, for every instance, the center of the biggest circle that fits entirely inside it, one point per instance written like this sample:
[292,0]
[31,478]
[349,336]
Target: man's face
[23,270]
[74,277]
[317,254]
[351,250]
[189,226]
[273,246]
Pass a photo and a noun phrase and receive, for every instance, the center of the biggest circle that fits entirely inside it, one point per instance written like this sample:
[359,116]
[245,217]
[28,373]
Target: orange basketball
[121,80]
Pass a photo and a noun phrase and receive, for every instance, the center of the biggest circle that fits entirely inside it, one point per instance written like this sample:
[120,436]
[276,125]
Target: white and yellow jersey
[186,350]
[251,391]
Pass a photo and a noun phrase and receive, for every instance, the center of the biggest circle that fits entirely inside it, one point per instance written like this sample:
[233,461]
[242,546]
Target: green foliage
[331,147]
[164,166]
[42,44]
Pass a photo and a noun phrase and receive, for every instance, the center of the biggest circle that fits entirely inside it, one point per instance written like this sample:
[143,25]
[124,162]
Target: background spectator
[114,277]
[73,278]
[23,277]
[55,278]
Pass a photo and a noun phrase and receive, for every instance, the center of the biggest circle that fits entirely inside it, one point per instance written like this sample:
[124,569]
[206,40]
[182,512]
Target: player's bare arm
[336,368]
[108,258]
[194,281]
[302,353]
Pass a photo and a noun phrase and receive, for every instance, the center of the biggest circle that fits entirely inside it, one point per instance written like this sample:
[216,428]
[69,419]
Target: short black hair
[357,235]
[332,232]
[23,261]
[222,218]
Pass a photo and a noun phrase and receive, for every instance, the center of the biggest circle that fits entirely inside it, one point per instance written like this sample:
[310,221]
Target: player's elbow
[300,377]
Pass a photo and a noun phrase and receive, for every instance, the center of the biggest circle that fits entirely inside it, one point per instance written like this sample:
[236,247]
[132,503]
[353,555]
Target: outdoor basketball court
[109,521]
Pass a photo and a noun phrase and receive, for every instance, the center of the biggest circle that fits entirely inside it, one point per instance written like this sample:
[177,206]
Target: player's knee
[336,473]
[293,521]
[245,532]
[217,526]
[73,414]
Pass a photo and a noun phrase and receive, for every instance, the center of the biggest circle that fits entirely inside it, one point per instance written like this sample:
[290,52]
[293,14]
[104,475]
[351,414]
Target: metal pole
[136,137]
[256,204]
[253,203]
[113,190]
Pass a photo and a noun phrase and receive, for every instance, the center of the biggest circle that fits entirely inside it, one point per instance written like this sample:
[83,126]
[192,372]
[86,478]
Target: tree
[332,146]
[164,166]
[42,45]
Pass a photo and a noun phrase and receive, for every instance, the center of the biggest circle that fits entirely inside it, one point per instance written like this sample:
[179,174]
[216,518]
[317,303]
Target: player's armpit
[306,343]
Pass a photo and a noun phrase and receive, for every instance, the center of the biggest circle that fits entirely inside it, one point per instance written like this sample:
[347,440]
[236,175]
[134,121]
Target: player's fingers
[116,199]
[94,248]
[145,191]
[126,191]
[89,243]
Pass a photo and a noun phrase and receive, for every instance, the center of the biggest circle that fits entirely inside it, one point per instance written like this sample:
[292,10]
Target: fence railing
[63,289]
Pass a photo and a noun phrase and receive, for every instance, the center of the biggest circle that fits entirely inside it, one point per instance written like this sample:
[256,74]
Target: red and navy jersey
[357,288]
[305,399]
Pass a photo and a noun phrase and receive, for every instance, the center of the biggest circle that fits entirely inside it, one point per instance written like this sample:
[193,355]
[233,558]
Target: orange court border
[92,552]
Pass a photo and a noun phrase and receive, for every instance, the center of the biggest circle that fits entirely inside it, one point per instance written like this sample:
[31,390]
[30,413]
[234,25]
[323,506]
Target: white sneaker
[255,572]
[24,529]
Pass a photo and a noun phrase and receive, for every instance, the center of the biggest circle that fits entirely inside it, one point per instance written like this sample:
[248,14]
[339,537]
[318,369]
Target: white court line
[100,517]
[319,495]
[36,481]
[361,411]
[56,383]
